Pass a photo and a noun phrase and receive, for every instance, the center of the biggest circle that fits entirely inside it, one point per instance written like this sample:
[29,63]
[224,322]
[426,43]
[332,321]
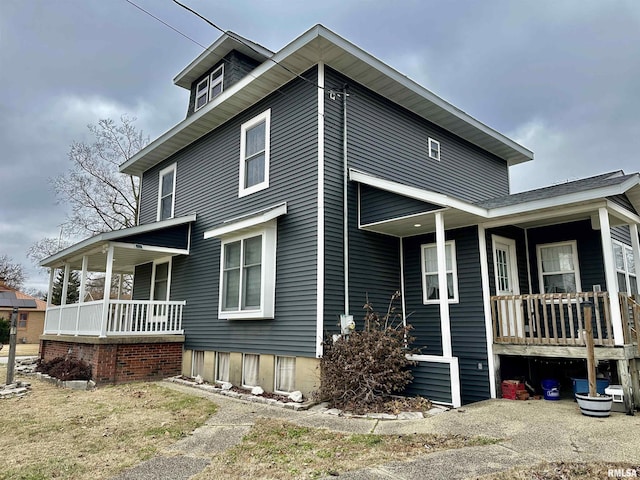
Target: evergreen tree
[73,288]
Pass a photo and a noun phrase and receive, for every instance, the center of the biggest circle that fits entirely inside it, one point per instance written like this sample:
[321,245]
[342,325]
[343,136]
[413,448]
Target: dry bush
[359,372]
[65,368]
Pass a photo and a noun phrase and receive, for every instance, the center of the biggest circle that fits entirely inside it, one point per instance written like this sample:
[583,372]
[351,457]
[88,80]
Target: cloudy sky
[560,77]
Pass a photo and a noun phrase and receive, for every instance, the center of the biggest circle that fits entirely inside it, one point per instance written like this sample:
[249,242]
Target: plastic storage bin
[581,385]
[618,397]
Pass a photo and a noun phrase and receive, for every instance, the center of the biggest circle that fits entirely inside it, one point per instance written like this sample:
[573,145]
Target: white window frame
[157,262]
[244,384]
[576,265]
[193,362]
[277,374]
[267,274]
[626,272]
[436,144]
[162,173]
[216,78]
[266,118]
[204,93]
[217,367]
[454,271]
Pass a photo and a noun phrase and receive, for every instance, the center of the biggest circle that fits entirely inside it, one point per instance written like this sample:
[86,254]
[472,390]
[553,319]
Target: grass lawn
[275,449]
[22,349]
[58,433]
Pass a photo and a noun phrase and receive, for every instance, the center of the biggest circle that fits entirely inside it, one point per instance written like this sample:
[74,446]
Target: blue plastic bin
[581,385]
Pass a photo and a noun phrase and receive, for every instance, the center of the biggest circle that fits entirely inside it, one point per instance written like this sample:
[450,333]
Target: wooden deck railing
[630,310]
[550,319]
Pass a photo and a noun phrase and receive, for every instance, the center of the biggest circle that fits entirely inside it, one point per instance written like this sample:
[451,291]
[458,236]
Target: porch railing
[124,317]
[630,310]
[550,318]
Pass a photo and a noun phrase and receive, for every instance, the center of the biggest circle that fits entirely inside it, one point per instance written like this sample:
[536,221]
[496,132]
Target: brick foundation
[119,359]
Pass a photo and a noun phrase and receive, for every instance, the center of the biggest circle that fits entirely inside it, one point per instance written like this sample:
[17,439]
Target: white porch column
[119,286]
[492,365]
[83,279]
[610,276]
[52,275]
[107,292]
[635,245]
[65,284]
[445,324]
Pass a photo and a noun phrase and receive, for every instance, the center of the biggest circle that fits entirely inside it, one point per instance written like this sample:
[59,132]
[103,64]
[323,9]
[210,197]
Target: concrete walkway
[532,431]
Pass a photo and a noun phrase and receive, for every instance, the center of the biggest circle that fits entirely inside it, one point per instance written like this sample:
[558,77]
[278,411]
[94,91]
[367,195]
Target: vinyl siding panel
[621,234]
[207,184]
[623,201]
[378,205]
[390,142]
[142,282]
[174,237]
[431,380]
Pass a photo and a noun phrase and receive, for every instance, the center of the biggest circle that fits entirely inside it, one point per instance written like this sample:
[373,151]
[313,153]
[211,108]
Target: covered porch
[123,339]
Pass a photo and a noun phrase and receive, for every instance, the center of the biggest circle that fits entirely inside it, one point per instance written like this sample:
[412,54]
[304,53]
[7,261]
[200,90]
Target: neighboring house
[30,321]
[303,181]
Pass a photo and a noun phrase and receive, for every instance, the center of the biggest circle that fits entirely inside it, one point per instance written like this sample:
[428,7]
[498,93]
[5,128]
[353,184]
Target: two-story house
[305,180]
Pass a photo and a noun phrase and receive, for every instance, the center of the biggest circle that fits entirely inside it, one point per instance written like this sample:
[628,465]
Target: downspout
[345,174]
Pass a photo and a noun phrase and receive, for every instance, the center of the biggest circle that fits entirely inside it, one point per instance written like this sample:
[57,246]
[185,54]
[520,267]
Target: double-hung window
[166,192]
[625,268]
[216,82]
[434,149]
[247,280]
[254,154]
[558,267]
[430,284]
[202,94]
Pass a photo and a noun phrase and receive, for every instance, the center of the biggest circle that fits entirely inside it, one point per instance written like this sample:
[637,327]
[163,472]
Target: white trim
[486,304]
[365,226]
[65,284]
[163,172]
[52,274]
[610,277]
[83,279]
[267,275]
[635,245]
[247,222]
[150,248]
[625,265]
[576,264]
[266,118]
[157,262]
[205,94]
[454,271]
[320,228]
[513,261]
[219,80]
[437,148]
[622,213]
[445,322]
[454,374]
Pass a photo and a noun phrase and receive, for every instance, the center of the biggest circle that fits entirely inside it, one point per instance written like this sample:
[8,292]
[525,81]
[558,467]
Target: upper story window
[558,267]
[254,154]
[434,149]
[209,88]
[625,268]
[166,192]
[430,283]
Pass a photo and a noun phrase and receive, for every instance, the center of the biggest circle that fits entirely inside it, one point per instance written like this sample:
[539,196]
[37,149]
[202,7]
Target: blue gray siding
[623,201]
[621,234]
[431,380]
[142,282]
[207,184]
[174,237]
[468,333]
[589,251]
[378,205]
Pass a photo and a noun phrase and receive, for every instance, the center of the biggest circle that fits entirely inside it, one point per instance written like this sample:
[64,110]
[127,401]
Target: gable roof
[11,297]
[318,44]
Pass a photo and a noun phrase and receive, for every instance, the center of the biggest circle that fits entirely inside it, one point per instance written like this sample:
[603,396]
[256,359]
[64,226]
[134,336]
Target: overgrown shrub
[65,368]
[5,329]
[360,371]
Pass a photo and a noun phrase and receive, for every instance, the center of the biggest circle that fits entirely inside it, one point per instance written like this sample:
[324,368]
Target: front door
[505,265]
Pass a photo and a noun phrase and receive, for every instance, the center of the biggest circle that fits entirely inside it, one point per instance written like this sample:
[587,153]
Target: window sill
[245,315]
[437,302]
[243,192]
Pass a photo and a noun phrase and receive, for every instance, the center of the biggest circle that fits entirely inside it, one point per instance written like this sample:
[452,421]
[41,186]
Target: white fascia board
[249,221]
[622,213]
[150,248]
[108,236]
[416,193]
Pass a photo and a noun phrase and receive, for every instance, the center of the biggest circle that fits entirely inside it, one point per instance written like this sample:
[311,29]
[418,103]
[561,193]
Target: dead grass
[566,471]
[281,450]
[58,433]
[22,349]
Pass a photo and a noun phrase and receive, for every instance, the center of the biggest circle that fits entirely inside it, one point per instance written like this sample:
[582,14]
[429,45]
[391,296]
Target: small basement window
[285,374]
[250,370]
[222,366]
[434,149]
[197,364]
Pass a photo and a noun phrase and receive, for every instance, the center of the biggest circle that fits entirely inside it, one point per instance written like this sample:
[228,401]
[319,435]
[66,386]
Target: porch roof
[566,202]
[132,246]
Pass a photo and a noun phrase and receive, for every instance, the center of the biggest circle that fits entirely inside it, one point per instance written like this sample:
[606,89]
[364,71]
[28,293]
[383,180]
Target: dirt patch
[278,449]
[56,433]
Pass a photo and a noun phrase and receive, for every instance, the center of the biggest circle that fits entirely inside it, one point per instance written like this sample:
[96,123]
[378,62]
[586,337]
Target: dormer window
[216,82]
[202,93]
[209,88]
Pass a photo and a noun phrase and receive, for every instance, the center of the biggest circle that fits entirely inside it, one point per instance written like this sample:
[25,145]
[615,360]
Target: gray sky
[560,77]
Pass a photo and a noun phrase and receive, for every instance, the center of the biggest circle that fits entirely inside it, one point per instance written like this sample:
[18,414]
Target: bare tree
[45,247]
[101,198]
[12,274]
